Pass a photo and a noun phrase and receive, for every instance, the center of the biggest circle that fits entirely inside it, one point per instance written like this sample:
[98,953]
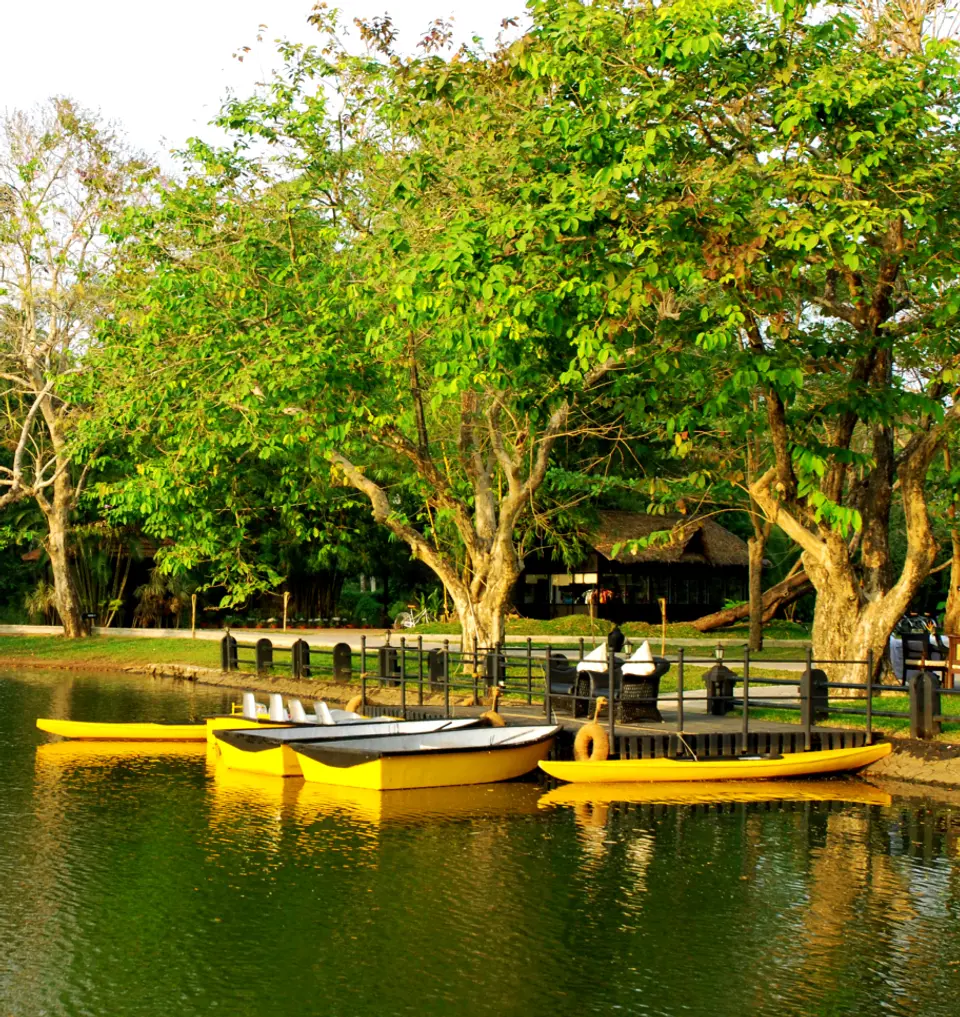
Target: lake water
[159,885]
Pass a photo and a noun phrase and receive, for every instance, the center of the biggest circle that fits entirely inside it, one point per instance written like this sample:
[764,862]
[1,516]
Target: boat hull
[96,731]
[793,764]
[415,770]
[236,723]
[279,760]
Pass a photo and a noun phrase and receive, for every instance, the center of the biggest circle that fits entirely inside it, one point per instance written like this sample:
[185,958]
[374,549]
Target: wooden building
[700,567]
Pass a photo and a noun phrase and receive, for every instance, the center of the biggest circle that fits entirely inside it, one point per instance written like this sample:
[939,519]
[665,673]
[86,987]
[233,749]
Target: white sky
[160,69]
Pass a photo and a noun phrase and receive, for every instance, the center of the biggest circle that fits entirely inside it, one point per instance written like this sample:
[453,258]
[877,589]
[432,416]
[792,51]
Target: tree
[386,284]
[795,179]
[61,174]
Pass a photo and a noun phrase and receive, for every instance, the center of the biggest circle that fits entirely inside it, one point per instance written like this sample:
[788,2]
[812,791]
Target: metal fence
[544,678]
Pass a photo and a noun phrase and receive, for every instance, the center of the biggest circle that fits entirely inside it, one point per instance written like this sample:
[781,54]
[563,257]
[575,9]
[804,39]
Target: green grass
[107,651]
[886,703]
[581,625]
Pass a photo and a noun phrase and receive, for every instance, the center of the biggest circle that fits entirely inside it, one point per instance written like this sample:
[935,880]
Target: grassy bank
[884,725]
[581,625]
[106,652]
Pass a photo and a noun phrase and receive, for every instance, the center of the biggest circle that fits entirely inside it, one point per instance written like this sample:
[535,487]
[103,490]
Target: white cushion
[641,663]
[595,660]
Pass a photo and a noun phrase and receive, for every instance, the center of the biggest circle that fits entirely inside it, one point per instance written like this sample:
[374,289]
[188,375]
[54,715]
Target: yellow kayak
[791,764]
[96,731]
[705,792]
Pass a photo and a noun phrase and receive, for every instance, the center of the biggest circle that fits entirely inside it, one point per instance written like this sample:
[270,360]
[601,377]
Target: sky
[161,69]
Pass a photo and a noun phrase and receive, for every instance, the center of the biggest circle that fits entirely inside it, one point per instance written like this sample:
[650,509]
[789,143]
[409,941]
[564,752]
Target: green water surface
[160,885]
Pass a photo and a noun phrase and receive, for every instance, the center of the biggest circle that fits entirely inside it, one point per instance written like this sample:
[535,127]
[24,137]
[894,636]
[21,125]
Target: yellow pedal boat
[443,759]
[271,752]
[791,764]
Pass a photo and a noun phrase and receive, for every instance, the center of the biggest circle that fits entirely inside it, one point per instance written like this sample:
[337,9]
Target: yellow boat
[88,730]
[790,764]
[271,752]
[706,792]
[97,731]
[443,759]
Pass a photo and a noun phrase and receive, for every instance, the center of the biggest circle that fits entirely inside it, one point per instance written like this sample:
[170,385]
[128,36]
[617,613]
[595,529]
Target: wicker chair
[636,695]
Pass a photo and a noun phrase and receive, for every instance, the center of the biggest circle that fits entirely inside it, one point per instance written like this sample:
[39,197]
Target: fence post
[546,684]
[529,671]
[420,670]
[300,659]
[806,706]
[680,690]
[363,657]
[446,677]
[403,677]
[869,697]
[745,730]
[924,706]
[264,655]
[228,653]
[342,662]
[611,687]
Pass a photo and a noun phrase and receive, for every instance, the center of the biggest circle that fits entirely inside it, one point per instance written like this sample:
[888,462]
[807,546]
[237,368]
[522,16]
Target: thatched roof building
[688,541]
[693,564]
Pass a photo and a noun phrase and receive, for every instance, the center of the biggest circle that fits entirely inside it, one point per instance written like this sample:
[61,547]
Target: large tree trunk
[755,546]
[777,597]
[855,614]
[68,603]
[951,618]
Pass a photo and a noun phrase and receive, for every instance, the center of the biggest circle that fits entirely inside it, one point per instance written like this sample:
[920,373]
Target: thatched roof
[693,541]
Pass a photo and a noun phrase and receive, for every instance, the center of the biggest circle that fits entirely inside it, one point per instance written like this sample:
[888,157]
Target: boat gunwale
[260,741]
[359,757]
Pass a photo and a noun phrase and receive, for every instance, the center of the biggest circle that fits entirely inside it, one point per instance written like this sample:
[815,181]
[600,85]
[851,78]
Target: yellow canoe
[444,759]
[96,731]
[271,752]
[791,764]
[706,792]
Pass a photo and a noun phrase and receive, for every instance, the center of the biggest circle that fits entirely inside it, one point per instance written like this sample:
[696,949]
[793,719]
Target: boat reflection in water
[708,793]
[419,805]
[79,753]
[240,793]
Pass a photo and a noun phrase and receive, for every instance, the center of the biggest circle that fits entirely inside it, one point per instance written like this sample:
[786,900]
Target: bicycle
[413,617]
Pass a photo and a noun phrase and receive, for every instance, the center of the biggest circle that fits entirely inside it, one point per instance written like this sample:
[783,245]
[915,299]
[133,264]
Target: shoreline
[915,763]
